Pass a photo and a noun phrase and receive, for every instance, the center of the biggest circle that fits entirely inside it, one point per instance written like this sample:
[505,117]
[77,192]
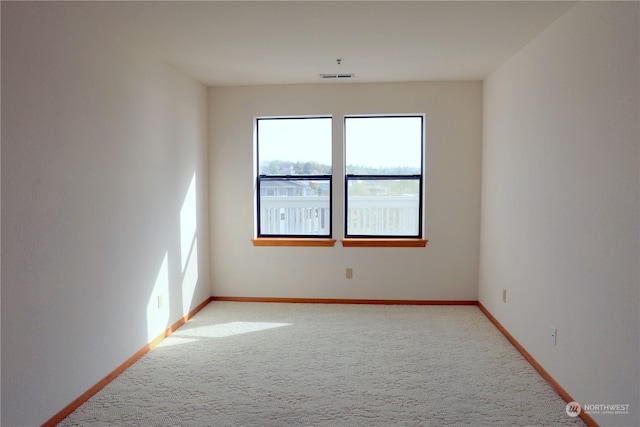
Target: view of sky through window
[295,140]
[374,143]
[383,142]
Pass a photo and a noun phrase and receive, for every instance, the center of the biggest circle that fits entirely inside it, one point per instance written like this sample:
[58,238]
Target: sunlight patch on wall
[158,305]
[188,223]
[189,246]
[190,279]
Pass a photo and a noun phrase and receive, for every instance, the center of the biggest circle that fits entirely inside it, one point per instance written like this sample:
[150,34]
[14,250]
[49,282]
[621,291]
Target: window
[383,176]
[294,177]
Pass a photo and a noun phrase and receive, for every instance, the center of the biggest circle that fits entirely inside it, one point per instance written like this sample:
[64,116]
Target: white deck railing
[382,215]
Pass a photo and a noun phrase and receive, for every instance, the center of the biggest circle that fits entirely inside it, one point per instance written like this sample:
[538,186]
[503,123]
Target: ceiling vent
[337,76]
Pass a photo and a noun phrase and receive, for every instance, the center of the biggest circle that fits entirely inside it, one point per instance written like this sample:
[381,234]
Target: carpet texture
[269,364]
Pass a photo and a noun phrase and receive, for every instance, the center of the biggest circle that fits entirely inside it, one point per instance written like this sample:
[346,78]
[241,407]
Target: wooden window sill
[384,243]
[302,241]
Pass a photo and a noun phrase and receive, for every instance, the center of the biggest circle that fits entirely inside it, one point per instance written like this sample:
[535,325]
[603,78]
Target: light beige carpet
[267,364]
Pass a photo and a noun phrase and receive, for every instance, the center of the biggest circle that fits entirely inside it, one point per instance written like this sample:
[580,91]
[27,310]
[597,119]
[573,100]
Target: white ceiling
[269,42]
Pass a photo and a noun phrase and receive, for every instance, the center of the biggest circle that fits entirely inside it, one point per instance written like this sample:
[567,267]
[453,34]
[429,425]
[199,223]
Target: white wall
[447,269]
[100,144]
[560,229]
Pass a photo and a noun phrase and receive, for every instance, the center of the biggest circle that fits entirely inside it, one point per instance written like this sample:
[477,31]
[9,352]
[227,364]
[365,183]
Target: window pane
[383,145]
[295,207]
[383,207]
[299,146]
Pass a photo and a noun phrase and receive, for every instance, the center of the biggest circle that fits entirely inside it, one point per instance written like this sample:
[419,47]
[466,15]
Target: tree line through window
[383,176]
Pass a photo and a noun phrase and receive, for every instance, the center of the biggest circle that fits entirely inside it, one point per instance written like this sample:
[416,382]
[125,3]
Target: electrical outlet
[160,301]
[349,273]
[554,335]
[504,295]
